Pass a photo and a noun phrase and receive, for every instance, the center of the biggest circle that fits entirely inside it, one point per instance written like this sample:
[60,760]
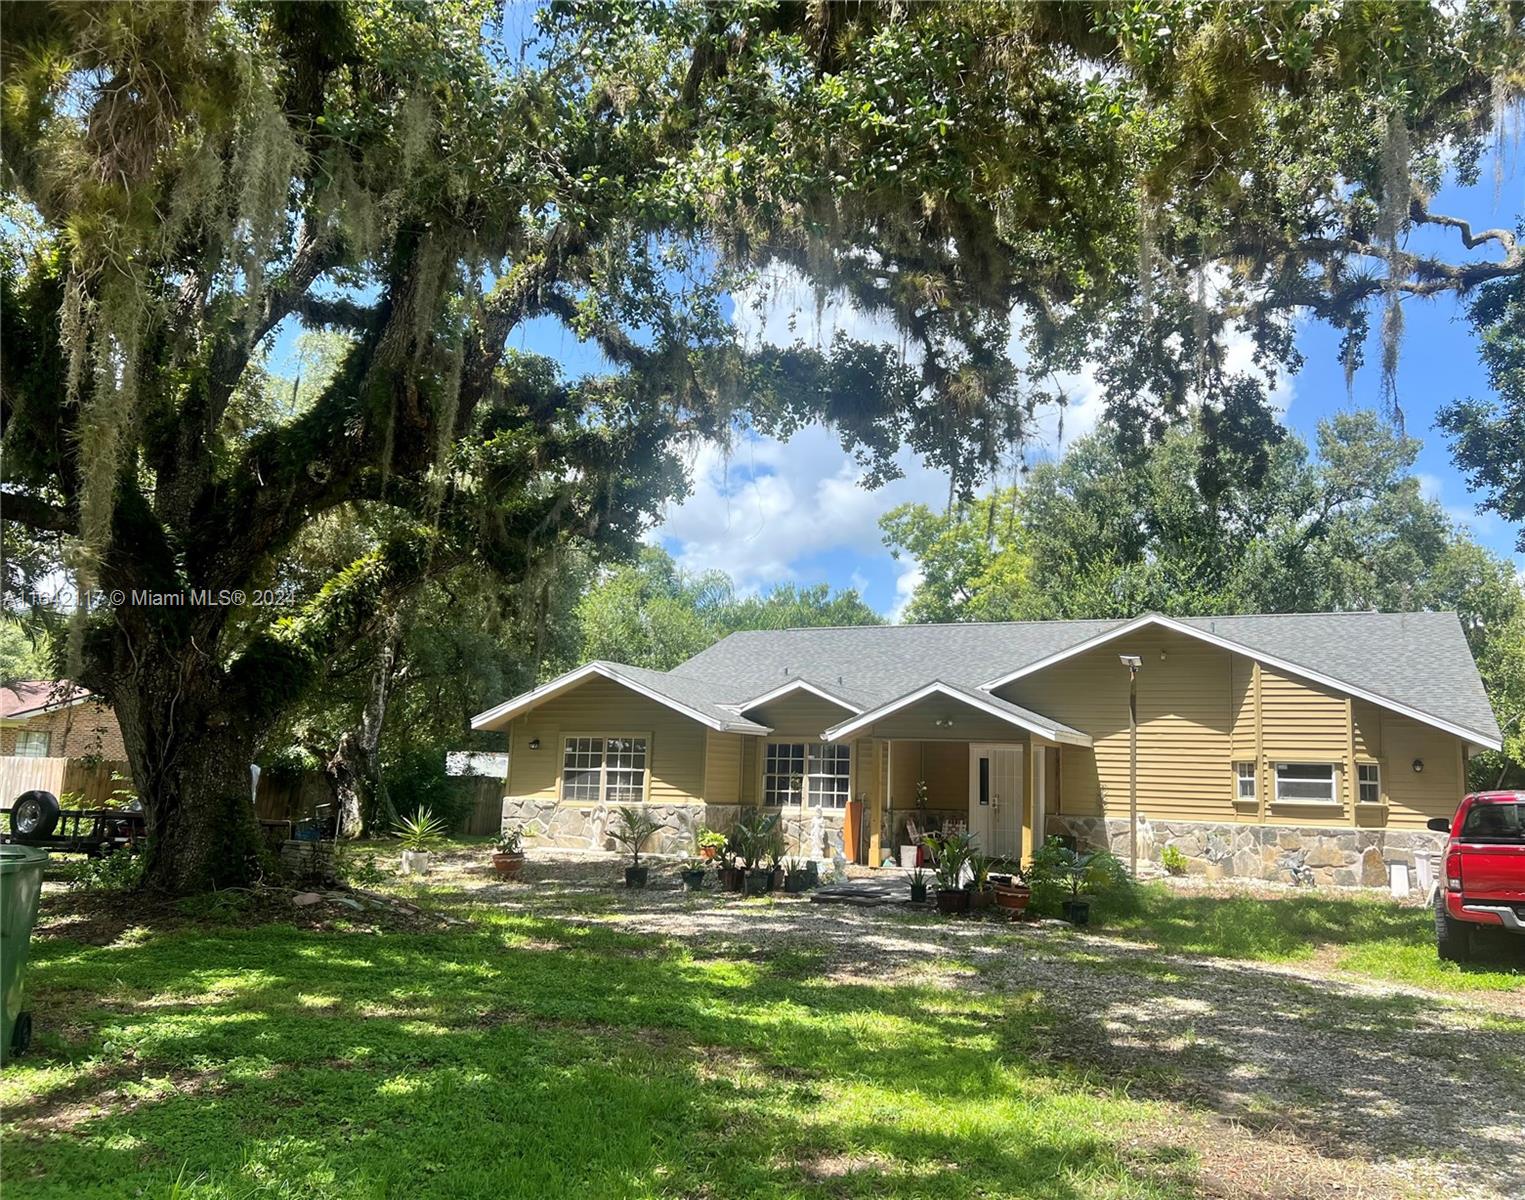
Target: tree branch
[36,514]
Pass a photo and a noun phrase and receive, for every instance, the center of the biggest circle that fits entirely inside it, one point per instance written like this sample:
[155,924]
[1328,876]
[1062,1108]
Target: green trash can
[20,890]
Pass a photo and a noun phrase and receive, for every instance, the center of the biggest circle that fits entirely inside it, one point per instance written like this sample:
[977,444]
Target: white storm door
[995,799]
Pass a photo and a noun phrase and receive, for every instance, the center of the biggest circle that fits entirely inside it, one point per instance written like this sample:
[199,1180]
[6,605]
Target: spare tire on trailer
[34,814]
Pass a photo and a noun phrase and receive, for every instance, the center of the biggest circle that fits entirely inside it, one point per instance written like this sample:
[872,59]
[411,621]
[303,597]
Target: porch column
[1029,792]
[876,816]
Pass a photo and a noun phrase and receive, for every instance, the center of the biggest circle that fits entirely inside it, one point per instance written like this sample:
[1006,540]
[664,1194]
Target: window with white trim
[607,769]
[807,773]
[1306,783]
[1369,783]
[830,775]
[33,743]
[783,773]
[1246,785]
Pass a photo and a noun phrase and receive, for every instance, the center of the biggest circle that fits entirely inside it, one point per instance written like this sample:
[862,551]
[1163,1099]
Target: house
[47,718]
[1293,747]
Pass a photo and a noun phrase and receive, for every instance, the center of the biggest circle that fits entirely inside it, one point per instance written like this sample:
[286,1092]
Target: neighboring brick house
[44,718]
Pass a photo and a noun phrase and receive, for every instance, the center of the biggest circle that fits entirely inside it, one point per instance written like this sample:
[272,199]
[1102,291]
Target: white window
[1369,781]
[610,769]
[830,775]
[810,774]
[1305,783]
[1244,781]
[784,773]
[33,743]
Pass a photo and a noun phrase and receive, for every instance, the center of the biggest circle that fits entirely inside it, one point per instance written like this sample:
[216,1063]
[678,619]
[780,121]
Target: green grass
[518,1056]
[1368,936]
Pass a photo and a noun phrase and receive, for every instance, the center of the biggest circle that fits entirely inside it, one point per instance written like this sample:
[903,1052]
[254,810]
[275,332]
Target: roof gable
[1404,662]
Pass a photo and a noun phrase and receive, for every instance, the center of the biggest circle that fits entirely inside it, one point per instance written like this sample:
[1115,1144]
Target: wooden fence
[78,782]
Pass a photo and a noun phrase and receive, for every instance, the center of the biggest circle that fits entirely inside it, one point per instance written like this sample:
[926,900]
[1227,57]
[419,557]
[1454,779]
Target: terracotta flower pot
[1014,897]
[508,865]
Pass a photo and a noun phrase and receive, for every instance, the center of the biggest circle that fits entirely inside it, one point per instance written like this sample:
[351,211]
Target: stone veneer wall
[575,828]
[1305,854]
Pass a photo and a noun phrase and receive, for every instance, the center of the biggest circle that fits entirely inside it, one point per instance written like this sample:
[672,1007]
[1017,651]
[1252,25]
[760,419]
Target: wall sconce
[1418,765]
[944,722]
[534,743]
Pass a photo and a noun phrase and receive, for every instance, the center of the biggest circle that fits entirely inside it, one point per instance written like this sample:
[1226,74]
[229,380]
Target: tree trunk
[354,771]
[190,762]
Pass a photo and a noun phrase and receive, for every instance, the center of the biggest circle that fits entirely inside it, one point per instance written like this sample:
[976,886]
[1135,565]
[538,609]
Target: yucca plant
[421,832]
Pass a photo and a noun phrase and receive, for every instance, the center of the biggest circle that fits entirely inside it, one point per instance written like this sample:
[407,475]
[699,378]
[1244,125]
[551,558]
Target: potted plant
[981,894]
[812,873]
[752,836]
[730,872]
[419,835]
[918,886]
[952,851]
[508,854]
[693,873]
[775,851]
[1073,867]
[710,843]
[1012,892]
[794,876]
[632,827]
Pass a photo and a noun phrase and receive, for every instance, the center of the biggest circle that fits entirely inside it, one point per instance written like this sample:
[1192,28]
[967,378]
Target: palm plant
[953,851]
[632,828]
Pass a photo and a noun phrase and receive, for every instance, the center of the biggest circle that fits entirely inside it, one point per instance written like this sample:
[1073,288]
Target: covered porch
[986,765]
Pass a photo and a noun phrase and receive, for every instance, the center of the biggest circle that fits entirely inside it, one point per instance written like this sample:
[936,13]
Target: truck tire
[1453,939]
[34,814]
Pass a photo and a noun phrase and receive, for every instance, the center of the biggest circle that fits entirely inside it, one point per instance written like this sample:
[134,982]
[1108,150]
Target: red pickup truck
[1484,878]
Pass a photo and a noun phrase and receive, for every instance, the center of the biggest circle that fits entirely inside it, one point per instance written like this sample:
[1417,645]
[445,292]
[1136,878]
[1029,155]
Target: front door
[995,799]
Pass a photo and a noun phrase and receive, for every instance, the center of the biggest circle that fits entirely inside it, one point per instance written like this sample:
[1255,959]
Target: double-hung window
[1369,783]
[607,769]
[807,773]
[1306,783]
[1245,785]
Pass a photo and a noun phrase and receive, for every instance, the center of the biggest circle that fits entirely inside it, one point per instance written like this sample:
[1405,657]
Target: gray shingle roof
[1415,661]
[1420,661]
[1024,716]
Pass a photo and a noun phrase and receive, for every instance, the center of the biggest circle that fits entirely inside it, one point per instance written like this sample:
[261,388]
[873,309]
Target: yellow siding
[1415,797]
[751,770]
[1242,707]
[1368,730]
[722,767]
[1303,721]
[1185,713]
[675,751]
[799,716]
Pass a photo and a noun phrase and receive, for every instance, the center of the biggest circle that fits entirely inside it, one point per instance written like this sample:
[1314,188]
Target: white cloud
[906,583]
[767,505]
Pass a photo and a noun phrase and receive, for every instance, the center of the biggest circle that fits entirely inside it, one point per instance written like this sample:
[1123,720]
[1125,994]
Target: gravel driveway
[1290,1081]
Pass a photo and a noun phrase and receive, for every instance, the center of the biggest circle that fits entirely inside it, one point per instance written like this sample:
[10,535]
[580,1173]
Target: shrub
[421,832]
[119,871]
[416,779]
[1173,860]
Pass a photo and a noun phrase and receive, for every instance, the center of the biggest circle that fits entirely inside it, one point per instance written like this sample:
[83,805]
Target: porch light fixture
[1133,662]
[1418,765]
[944,722]
[534,743]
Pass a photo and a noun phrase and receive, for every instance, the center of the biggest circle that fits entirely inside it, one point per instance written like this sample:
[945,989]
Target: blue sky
[768,513]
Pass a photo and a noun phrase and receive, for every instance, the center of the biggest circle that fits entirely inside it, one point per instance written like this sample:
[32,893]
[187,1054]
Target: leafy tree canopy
[1488,435]
[653,614]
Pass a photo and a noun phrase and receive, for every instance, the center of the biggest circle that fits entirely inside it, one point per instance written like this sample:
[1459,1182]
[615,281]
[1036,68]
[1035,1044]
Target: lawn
[1363,934]
[558,1043]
